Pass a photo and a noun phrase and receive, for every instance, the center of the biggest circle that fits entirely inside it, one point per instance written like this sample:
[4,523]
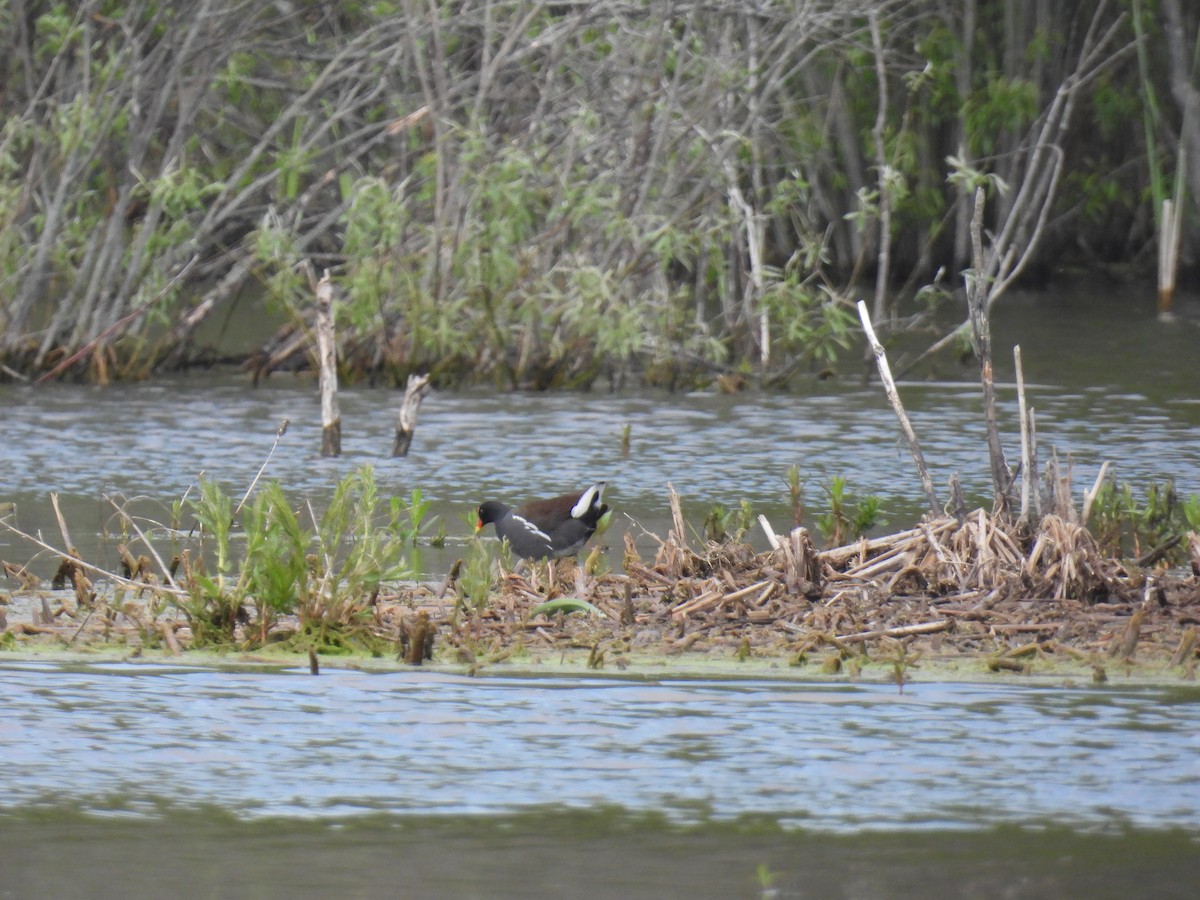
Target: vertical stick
[1033,462]
[1168,253]
[331,421]
[979,290]
[1026,455]
[677,518]
[62,526]
[885,178]
[752,296]
[1089,497]
[885,375]
[406,421]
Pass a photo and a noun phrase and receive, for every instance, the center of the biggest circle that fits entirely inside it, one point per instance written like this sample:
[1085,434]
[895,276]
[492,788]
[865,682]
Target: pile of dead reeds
[977,585]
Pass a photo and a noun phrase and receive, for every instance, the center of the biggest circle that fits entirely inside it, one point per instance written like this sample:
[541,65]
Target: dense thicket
[548,192]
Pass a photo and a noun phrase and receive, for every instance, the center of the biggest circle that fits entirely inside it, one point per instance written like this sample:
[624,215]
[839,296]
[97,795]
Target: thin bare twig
[104,573]
[889,385]
[279,433]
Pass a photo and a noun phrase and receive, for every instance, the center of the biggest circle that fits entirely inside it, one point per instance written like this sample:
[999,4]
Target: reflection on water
[573,855]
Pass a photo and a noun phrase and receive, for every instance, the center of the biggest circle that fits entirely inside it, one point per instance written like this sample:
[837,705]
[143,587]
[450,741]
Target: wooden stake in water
[331,421]
[1168,255]
[406,421]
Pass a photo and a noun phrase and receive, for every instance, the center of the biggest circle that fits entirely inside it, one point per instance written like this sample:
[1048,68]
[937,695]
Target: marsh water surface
[581,786]
[139,781]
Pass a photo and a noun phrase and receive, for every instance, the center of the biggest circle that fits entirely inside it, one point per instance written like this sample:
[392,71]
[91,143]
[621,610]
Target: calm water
[122,781]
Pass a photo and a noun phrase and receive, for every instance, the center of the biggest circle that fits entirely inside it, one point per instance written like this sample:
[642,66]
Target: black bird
[547,529]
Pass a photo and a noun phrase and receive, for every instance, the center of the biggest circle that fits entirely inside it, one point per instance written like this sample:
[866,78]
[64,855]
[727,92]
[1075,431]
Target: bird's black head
[490,512]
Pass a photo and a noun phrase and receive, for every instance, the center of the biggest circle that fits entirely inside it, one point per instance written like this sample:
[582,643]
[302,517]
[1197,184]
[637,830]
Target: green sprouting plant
[275,566]
[715,523]
[415,512]
[722,525]
[271,567]
[1160,518]
[474,582]
[1190,510]
[327,575]
[1113,510]
[866,515]
[847,518]
[354,554]
[211,605]
[766,880]
[835,523]
[1124,525]
[901,661]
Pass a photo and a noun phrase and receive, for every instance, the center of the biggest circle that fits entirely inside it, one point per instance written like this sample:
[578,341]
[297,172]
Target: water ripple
[828,758]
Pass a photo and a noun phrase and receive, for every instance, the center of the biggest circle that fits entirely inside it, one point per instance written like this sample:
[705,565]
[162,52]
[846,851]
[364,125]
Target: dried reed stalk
[901,631]
[1028,473]
[331,420]
[889,386]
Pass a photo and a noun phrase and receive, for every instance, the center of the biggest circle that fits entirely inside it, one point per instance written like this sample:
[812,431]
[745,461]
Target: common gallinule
[547,529]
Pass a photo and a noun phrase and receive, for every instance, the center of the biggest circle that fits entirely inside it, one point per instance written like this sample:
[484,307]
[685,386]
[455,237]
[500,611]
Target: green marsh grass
[324,569]
[1156,523]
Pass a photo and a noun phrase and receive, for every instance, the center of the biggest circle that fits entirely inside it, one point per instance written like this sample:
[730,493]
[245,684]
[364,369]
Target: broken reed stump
[406,421]
[800,560]
[1186,648]
[70,570]
[416,638]
[1124,646]
[331,421]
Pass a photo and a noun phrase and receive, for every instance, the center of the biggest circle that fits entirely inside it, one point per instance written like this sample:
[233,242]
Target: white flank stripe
[532,529]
